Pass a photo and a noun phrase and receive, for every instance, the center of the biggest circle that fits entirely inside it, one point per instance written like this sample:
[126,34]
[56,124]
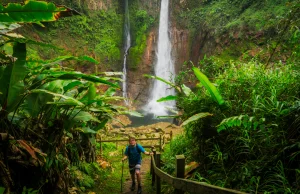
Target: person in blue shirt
[133,154]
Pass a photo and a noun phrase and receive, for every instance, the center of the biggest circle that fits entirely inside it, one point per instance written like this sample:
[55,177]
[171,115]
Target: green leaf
[163,80]
[67,102]
[168,117]
[167,98]
[72,85]
[82,116]
[2,189]
[196,117]
[92,93]
[87,58]
[88,130]
[11,81]
[110,92]
[186,90]
[101,125]
[67,98]
[133,113]
[6,27]
[65,75]
[209,86]
[33,12]
[21,39]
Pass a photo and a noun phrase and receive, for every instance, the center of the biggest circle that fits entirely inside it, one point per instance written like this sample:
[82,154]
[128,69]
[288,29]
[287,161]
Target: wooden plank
[164,176]
[147,146]
[158,179]
[154,166]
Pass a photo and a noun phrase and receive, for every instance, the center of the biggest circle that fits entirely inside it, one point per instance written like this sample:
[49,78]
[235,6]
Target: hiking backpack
[137,147]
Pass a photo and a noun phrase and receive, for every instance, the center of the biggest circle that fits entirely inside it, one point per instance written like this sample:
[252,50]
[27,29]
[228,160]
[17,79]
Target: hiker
[133,154]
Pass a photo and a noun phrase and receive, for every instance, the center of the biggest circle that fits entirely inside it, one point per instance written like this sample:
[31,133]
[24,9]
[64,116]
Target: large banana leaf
[71,85]
[33,12]
[64,75]
[11,81]
[132,113]
[163,80]
[20,39]
[90,95]
[68,100]
[82,116]
[209,86]
[196,117]
[167,98]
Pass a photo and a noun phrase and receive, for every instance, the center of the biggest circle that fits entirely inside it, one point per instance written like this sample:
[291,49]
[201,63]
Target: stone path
[144,170]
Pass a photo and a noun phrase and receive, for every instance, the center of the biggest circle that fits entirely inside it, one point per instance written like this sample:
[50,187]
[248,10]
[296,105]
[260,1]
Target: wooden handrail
[190,186]
[160,138]
[117,140]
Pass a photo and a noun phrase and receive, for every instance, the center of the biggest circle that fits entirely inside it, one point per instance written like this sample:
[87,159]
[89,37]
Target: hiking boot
[139,191]
[132,186]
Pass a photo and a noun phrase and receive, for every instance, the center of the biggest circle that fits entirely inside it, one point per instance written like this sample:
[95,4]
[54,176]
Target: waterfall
[164,66]
[126,48]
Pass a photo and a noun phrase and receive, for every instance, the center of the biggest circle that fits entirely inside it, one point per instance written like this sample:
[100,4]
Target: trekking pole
[122,174]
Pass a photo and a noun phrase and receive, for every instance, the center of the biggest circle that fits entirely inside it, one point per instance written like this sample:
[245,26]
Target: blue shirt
[135,156]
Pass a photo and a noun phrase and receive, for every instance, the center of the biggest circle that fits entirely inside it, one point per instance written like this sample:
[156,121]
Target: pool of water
[148,119]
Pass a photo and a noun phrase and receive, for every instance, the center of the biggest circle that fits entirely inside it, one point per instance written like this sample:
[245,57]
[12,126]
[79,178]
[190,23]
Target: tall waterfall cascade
[126,48]
[164,67]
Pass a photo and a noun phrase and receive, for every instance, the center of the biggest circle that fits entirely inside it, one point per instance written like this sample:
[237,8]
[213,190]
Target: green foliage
[241,121]
[209,86]
[98,34]
[29,191]
[180,145]
[32,11]
[232,15]
[82,176]
[195,118]
[55,107]
[140,23]
[249,151]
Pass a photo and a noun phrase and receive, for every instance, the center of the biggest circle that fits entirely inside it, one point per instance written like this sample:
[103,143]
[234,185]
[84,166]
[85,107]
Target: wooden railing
[161,141]
[179,183]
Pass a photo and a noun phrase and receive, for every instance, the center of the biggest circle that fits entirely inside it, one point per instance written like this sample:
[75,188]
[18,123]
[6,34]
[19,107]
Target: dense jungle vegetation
[241,109]
[248,128]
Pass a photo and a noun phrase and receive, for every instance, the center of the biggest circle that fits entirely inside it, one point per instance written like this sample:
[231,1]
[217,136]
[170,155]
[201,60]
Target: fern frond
[240,121]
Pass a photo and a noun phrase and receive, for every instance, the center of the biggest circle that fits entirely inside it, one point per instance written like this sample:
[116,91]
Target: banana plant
[13,46]
[44,99]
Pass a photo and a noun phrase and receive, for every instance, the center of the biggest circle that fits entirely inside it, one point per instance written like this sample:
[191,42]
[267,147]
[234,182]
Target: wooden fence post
[151,164]
[160,142]
[100,146]
[180,164]
[158,183]
[153,174]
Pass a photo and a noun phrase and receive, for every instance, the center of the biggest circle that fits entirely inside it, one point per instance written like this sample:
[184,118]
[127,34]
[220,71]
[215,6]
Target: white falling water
[126,47]
[164,67]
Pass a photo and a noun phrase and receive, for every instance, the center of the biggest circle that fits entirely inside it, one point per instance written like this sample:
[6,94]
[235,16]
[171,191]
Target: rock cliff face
[99,5]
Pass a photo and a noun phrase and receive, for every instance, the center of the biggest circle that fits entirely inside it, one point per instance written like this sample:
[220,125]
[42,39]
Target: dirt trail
[166,128]
[144,170]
